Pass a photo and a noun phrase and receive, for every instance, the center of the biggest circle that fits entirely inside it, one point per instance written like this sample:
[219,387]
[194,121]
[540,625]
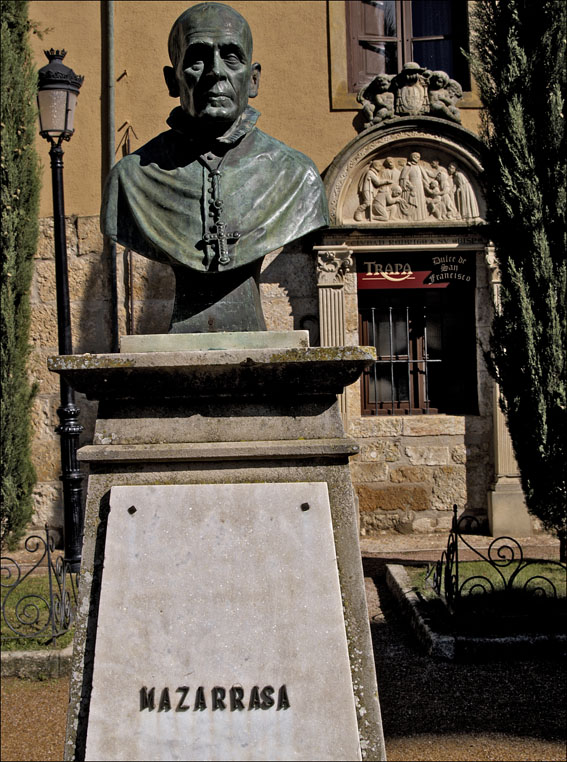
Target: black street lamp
[58,89]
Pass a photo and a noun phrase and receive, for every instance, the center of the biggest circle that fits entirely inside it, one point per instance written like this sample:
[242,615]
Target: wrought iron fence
[44,616]
[504,555]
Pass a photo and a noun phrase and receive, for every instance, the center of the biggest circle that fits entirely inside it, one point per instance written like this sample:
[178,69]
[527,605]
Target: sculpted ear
[171,81]
[254,80]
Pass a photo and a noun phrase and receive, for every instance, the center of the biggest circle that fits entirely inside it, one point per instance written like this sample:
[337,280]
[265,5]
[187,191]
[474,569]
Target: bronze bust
[213,195]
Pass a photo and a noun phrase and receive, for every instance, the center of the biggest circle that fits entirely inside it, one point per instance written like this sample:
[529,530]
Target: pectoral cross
[221,237]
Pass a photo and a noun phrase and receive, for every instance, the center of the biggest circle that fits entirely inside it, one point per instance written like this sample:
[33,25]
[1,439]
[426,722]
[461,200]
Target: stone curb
[440,646]
[37,665]
[450,648]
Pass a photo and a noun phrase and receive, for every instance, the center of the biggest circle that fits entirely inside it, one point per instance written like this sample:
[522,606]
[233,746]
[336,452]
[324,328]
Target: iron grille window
[425,345]
[382,35]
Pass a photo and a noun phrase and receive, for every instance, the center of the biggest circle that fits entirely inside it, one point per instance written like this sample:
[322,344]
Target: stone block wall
[145,300]
[411,470]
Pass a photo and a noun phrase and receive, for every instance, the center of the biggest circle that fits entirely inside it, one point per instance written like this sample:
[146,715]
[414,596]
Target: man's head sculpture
[213,195]
[210,48]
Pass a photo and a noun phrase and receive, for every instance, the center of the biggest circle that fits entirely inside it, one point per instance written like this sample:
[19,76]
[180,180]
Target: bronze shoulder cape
[156,199]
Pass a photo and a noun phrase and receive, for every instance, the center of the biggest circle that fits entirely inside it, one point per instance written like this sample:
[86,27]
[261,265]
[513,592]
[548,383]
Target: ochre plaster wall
[290,42]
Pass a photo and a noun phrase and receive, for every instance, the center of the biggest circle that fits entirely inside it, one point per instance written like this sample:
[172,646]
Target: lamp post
[58,89]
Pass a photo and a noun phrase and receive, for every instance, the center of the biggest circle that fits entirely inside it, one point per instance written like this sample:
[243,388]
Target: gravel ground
[431,710]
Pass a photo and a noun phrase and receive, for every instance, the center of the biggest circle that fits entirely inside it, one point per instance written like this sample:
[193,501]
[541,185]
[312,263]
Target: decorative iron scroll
[505,556]
[35,615]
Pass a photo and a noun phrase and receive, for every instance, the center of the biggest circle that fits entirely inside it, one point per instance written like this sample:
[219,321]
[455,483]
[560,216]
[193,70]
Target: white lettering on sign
[392,272]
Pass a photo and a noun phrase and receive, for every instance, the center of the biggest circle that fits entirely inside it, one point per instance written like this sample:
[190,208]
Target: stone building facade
[418,456]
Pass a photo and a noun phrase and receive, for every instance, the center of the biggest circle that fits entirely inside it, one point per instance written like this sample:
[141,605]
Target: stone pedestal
[224,417]
[507,511]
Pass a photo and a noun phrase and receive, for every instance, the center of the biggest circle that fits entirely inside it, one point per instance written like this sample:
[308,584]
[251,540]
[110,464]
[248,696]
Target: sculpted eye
[232,55]
[194,57]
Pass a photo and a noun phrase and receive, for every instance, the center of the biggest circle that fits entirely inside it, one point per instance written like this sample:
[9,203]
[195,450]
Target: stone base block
[184,342]
[507,512]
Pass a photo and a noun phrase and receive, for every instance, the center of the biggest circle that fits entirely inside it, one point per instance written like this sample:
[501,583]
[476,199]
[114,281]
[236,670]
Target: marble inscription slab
[220,629]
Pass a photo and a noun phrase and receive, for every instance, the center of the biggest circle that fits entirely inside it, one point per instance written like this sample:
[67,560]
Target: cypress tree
[518,60]
[20,195]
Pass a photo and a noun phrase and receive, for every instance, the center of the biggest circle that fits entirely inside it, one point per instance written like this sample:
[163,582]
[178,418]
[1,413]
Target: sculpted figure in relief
[465,198]
[421,191]
[377,101]
[414,91]
[441,99]
[413,189]
[374,188]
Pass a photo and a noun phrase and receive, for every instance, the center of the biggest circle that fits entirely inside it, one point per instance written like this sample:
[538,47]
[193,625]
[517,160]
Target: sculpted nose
[217,65]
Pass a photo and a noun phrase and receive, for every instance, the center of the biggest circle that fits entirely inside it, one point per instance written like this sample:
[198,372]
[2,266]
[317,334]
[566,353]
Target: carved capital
[332,265]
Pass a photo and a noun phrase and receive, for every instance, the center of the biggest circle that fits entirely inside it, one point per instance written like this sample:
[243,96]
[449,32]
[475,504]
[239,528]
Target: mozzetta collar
[180,122]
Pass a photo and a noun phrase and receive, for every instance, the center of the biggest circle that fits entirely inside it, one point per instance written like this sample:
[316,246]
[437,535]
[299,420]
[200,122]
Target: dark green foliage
[20,193]
[519,63]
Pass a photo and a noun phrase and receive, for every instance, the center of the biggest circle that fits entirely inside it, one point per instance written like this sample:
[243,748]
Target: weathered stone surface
[46,460]
[280,317]
[368,472]
[299,624]
[459,454]
[45,244]
[372,524]
[427,425]
[89,237]
[289,273]
[151,316]
[48,382]
[48,504]
[149,280]
[43,330]
[403,474]
[450,487]
[237,372]
[376,450]
[376,426]
[44,417]
[378,497]
[428,455]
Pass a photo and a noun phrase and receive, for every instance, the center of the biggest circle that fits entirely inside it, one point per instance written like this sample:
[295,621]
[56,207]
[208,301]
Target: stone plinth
[233,418]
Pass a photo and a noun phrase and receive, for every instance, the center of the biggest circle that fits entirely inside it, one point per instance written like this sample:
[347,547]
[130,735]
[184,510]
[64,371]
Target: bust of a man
[213,195]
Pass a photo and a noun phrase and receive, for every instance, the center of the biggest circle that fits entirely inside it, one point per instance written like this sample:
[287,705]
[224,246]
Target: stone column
[332,265]
[507,512]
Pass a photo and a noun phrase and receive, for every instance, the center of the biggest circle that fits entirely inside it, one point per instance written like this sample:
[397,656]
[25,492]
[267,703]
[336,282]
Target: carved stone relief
[414,91]
[332,265]
[407,187]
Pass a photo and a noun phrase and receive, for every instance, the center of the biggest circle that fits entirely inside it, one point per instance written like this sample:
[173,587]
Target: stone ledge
[249,373]
[37,665]
[455,648]
[313,448]
[441,646]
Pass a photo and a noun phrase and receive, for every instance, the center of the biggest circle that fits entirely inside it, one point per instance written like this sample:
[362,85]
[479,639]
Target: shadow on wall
[288,290]
[288,286]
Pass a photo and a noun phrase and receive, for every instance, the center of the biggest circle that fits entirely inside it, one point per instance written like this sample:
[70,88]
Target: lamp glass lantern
[57,97]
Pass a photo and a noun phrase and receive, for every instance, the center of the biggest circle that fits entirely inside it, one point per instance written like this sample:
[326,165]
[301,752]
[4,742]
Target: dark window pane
[380,18]
[383,384]
[431,17]
[435,54]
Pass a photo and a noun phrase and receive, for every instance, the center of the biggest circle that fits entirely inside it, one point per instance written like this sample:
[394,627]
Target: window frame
[341,98]
[421,362]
